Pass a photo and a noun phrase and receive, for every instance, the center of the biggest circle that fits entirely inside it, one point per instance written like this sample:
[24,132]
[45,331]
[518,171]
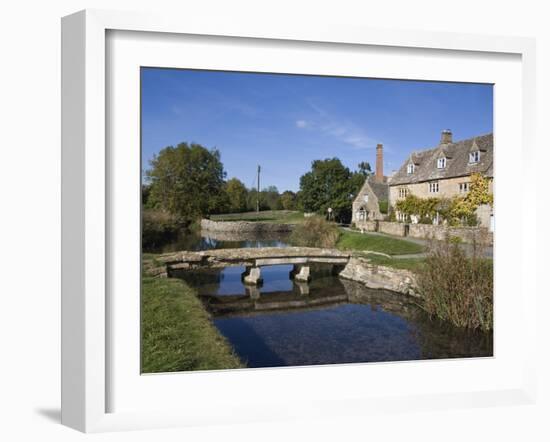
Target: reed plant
[456,283]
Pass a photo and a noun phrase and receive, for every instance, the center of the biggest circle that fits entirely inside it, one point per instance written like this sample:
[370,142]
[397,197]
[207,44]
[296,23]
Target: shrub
[315,231]
[383,207]
[458,286]
[158,227]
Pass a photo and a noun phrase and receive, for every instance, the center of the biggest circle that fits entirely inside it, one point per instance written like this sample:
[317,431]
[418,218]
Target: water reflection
[195,240]
[329,320]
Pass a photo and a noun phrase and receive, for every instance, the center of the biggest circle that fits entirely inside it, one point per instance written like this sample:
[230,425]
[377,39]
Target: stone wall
[380,277]
[367,226]
[391,228]
[244,226]
[466,234]
[439,233]
[448,187]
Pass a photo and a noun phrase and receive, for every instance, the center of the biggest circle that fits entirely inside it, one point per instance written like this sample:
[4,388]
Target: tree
[237,194]
[271,198]
[187,181]
[364,168]
[288,200]
[329,184]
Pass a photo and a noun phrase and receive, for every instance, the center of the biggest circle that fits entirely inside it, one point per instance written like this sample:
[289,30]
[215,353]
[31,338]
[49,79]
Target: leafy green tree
[187,181]
[288,200]
[237,194]
[329,184]
[271,198]
[364,168]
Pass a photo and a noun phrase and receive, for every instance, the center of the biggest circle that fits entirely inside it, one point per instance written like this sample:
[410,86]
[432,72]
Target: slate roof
[458,165]
[381,190]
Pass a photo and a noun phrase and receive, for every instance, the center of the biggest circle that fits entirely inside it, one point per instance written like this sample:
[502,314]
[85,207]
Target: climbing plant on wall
[464,208]
[415,206]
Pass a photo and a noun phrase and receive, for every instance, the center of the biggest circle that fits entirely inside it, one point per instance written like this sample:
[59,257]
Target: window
[366,198]
[441,163]
[434,187]
[403,192]
[463,187]
[410,168]
[474,157]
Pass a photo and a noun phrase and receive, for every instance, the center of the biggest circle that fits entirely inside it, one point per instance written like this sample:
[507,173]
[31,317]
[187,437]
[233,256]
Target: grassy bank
[266,216]
[413,264]
[177,333]
[377,243]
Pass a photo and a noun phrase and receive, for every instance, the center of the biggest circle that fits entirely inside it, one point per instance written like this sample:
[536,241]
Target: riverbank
[177,331]
[243,227]
[265,216]
[375,276]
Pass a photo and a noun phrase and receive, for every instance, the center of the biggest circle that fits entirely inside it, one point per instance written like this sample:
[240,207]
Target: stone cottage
[444,171]
[371,203]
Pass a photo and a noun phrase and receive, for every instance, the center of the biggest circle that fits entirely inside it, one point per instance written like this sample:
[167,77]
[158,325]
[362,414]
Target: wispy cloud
[342,130]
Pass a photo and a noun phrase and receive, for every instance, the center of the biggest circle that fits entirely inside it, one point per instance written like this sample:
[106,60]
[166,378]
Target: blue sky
[284,122]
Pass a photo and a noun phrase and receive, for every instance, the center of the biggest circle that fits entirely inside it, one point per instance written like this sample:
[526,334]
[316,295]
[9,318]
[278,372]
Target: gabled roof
[381,190]
[458,161]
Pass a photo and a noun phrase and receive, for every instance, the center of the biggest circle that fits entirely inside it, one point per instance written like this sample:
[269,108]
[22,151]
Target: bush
[383,207]
[315,231]
[457,286]
[158,228]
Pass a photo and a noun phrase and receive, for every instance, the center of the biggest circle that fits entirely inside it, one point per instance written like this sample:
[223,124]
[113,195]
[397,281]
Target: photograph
[295,220]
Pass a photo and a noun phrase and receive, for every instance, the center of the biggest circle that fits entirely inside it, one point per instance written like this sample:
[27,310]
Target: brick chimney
[379,174]
[446,137]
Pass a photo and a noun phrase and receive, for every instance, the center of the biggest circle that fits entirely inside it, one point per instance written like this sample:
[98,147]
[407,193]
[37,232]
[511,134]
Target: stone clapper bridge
[253,259]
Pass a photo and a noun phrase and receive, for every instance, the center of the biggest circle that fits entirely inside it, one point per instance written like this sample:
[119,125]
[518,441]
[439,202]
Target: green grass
[271,216]
[177,332]
[412,264]
[377,243]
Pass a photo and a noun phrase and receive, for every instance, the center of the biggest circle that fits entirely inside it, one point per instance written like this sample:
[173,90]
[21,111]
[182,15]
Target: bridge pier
[303,287]
[252,276]
[253,291]
[300,273]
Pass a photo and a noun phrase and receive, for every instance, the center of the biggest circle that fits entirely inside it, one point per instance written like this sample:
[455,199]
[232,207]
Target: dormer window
[366,198]
[474,156]
[442,163]
[410,168]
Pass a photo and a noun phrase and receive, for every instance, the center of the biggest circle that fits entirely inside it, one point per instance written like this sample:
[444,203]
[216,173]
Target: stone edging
[244,226]
[380,277]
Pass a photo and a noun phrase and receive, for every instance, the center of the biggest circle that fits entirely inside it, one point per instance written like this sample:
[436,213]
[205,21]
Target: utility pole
[258,192]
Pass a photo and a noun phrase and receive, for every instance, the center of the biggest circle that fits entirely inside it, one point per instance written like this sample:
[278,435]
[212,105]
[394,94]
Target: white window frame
[441,163]
[433,187]
[464,187]
[475,157]
[410,169]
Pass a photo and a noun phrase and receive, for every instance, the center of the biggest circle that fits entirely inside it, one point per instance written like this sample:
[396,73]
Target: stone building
[444,171]
[371,203]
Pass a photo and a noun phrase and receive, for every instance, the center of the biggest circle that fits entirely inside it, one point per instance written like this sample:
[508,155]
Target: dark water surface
[328,321]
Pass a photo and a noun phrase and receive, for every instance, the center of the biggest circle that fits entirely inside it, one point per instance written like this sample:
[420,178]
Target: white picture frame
[86,210]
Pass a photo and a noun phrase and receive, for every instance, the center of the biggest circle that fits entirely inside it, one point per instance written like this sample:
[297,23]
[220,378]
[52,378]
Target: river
[328,321]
